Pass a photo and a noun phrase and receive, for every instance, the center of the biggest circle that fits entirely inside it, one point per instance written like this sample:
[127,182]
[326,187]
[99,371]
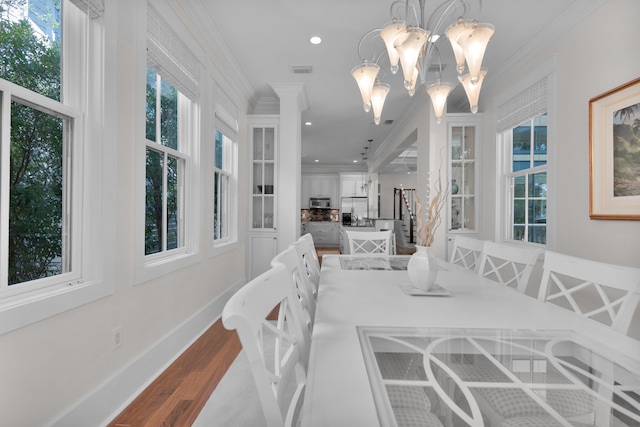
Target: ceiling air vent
[301,69]
[387,122]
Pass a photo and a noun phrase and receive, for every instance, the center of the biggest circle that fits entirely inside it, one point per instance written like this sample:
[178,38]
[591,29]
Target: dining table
[468,352]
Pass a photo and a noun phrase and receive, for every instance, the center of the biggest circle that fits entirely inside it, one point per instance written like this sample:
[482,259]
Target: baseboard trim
[110,398]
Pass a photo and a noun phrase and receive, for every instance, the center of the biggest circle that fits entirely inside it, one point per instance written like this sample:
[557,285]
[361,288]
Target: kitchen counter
[324,233]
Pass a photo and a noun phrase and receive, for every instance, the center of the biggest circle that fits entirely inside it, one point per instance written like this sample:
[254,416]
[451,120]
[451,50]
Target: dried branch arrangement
[428,225]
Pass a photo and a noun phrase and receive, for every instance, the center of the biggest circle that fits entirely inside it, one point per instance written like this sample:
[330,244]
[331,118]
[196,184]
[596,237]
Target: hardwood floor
[175,398]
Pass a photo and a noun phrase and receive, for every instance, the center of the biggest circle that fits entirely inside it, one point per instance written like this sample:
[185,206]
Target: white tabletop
[338,391]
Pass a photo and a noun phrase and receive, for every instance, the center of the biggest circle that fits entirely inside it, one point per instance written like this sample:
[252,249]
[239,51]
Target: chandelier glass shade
[438,92]
[472,89]
[378,95]
[409,51]
[409,43]
[389,34]
[474,42]
[365,74]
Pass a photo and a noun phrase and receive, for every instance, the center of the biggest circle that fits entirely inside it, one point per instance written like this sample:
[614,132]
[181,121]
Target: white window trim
[94,237]
[225,114]
[501,231]
[148,267]
[221,246]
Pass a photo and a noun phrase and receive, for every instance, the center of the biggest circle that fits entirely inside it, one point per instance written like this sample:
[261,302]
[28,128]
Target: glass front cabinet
[464,133]
[262,212]
[263,161]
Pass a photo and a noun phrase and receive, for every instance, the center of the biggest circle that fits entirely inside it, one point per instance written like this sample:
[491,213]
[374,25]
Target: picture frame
[614,153]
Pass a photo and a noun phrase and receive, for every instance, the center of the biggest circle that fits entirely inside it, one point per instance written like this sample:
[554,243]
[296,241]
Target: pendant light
[474,42]
[365,75]
[473,89]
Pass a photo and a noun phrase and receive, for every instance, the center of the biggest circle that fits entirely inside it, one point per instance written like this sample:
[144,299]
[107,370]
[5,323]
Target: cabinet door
[351,185]
[263,177]
[464,143]
[263,247]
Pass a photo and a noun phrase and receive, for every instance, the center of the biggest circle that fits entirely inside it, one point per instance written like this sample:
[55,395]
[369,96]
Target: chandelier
[410,44]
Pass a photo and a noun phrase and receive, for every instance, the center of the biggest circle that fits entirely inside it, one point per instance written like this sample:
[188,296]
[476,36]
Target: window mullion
[5,140]
[165,172]
[158,110]
[181,165]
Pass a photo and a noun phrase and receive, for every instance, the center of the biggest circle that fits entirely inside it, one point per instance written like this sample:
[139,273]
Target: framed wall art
[614,153]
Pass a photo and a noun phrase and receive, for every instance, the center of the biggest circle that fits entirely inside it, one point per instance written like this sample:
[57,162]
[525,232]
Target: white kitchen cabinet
[320,185]
[324,233]
[262,233]
[262,249]
[465,149]
[351,185]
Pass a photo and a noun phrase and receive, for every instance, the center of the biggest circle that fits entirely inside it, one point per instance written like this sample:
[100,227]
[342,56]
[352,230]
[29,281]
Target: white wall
[48,368]
[596,55]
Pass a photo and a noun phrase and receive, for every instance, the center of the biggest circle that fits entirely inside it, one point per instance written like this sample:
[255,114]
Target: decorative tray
[436,291]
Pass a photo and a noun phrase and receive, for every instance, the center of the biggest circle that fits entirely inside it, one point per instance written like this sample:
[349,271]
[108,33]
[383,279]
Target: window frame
[82,104]
[503,208]
[148,267]
[510,175]
[230,157]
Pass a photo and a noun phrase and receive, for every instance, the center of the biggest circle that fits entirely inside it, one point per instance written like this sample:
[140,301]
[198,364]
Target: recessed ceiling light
[315,40]
[316,160]
[307,123]
[355,161]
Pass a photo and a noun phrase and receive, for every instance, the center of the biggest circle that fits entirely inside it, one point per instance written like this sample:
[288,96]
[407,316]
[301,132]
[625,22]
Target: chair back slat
[302,285]
[508,265]
[604,292]
[307,252]
[466,252]
[370,242]
[275,350]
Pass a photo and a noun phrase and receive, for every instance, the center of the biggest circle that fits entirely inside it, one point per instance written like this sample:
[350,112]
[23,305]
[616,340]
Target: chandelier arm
[443,12]
[371,33]
[380,59]
[395,8]
[434,47]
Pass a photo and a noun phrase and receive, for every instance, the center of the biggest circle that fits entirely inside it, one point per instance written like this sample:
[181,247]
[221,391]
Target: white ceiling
[269,37]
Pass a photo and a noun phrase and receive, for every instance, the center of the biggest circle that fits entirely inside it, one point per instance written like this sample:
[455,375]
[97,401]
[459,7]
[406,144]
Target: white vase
[423,268]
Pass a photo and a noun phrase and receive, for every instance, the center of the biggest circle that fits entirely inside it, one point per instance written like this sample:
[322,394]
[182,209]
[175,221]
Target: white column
[432,163]
[293,101]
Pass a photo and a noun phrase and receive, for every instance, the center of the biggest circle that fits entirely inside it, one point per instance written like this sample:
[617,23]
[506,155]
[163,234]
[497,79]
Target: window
[223,165]
[167,228]
[523,151]
[225,172]
[52,141]
[528,181]
[165,164]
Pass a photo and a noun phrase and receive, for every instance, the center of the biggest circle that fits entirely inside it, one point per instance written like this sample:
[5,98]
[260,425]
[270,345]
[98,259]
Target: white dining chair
[508,265]
[302,285]
[370,242]
[604,292]
[279,375]
[307,252]
[466,252]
